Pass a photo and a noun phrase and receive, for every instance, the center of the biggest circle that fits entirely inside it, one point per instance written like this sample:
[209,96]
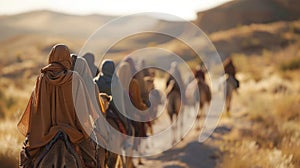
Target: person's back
[105,78]
[105,85]
[229,68]
[51,107]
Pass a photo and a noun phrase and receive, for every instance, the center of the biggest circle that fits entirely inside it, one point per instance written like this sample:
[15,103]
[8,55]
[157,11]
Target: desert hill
[45,22]
[256,38]
[246,12]
[248,27]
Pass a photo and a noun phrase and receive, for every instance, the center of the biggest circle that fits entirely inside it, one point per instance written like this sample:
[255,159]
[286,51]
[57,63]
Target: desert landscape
[261,36]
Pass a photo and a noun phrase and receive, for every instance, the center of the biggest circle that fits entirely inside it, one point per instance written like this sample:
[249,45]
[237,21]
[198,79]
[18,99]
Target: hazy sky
[185,9]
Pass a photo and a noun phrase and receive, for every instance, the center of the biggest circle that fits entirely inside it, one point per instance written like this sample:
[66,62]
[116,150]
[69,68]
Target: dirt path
[190,153]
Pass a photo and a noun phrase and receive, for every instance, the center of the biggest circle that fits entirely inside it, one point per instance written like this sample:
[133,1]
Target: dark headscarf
[104,79]
[90,59]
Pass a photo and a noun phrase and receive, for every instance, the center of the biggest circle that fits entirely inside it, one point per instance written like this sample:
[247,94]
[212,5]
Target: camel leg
[228,101]
[199,115]
[174,128]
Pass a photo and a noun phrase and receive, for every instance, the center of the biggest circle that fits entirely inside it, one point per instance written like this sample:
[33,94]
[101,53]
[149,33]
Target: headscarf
[82,67]
[229,67]
[107,68]
[104,79]
[90,59]
[124,73]
[60,54]
[51,106]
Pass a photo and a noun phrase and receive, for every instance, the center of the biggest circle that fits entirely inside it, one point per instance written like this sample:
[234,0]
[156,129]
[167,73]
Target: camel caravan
[64,123]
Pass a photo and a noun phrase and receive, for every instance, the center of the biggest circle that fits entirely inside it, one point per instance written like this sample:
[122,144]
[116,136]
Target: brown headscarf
[59,54]
[51,105]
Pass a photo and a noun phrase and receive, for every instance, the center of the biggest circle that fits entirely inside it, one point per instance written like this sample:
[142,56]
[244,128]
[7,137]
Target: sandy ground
[190,152]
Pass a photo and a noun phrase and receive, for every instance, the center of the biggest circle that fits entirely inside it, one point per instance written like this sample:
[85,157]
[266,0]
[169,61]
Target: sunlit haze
[185,9]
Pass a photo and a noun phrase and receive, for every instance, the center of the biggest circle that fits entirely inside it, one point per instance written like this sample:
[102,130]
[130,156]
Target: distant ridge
[246,12]
[50,23]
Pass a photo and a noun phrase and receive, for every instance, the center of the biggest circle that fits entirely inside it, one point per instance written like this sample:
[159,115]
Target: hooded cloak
[104,80]
[51,106]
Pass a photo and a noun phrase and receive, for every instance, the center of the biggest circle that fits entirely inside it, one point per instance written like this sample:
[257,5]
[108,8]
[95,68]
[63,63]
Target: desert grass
[270,98]
[273,138]
[11,143]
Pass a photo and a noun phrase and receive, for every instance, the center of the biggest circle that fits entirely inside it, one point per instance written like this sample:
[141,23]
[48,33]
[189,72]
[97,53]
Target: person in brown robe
[229,68]
[132,89]
[51,107]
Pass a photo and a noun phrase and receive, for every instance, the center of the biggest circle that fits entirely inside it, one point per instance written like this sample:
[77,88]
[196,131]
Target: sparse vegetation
[272,106]
[10,141]
[273,138]
[291,65]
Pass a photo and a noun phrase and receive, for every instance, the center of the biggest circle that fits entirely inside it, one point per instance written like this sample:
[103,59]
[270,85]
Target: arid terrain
[262,37]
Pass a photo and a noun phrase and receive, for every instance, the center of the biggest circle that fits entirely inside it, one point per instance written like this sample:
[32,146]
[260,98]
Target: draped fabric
[138,76]
[132,88]
[51,106]
[82,67]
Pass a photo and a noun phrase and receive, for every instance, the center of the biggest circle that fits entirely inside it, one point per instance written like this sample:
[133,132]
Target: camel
[203,98]
[232,84]
[174,105]
[60,152]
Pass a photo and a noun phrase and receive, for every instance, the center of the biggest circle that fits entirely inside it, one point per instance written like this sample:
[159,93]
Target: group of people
[72,102]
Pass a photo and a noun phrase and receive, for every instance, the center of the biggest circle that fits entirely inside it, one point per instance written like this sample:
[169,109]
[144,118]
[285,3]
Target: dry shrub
[273,138]
[287,108]
[8,161]
[291,146]
[291,65]
[276,134]
[259,108]
[250,65]
[248,154]
[11,143]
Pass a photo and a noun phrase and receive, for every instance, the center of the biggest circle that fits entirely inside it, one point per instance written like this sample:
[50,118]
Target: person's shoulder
[75,75]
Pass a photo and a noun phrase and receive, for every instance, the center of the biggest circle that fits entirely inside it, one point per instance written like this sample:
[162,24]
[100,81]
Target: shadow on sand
[193,154]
